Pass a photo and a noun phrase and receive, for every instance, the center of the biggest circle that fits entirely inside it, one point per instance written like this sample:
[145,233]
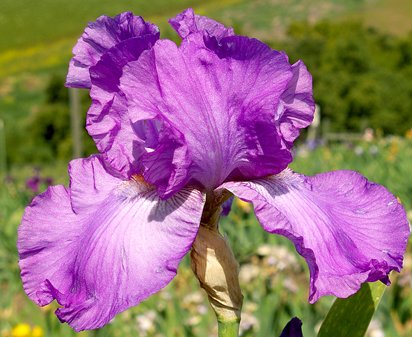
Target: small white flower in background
[193,320]
[291,285]
[248,323]
[193,302]
[278,256]
[202,309]
[193,298]
[146,323]
[373,150]
[358,150]
[375,329]
[248,272]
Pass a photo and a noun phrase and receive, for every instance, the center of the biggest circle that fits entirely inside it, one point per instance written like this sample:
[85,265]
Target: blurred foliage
[47,129]
[362,78]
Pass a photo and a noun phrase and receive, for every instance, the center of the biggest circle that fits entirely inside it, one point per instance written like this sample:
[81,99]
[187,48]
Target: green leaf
[350,317]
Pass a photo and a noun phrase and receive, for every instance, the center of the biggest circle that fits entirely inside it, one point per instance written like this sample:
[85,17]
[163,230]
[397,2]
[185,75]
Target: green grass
[390,16]
[44,32]
[268,20]
[28,23]
[24,23]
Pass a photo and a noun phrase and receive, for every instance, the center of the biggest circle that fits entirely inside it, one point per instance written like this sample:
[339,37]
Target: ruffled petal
[107,121]
[221,104]
[91,182]
[188,22]
[348,229]
[98,38]
[112,132]
[108,255]
[297,106]
[45,243]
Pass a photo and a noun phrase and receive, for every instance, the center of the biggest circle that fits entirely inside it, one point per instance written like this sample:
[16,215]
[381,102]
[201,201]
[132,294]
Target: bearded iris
[176,128]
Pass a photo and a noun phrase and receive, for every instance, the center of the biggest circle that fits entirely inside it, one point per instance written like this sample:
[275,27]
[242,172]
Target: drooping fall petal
[105,245]
[348,229]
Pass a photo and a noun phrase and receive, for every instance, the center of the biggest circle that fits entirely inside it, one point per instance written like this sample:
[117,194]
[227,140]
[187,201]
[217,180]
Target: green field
[51,20]
[36,39]
[393,16]
[23,23]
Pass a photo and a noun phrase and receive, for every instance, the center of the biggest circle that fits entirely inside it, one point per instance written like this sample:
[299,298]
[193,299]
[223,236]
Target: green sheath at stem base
[228,329]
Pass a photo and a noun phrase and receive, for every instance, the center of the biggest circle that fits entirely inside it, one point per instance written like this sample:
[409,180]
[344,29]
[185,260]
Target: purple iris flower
[174,124]
[293,328]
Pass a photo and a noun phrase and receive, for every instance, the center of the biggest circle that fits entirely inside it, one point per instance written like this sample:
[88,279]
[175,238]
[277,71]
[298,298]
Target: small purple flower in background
[48,181]
[227,207]
[177,126]
[33,184]
[312,144]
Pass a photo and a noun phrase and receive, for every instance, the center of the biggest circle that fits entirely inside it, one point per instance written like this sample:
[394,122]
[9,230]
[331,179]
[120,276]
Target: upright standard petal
[99,37]
[348,229]
[221,105]
[296,108]
[188,22]
[100,250]
[107,121]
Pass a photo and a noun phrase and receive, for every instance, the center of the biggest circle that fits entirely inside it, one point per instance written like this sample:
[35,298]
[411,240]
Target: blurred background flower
[23,330]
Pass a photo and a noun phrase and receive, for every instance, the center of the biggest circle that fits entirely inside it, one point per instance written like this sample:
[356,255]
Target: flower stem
[228,329]
[217,270]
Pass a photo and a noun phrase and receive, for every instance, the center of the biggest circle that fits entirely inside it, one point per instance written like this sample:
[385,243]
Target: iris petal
[219,107]
[188,22]
[107,119]
[348,229]
[120,246]
[293,328]
[222,105]
[297,106]
[98,38]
